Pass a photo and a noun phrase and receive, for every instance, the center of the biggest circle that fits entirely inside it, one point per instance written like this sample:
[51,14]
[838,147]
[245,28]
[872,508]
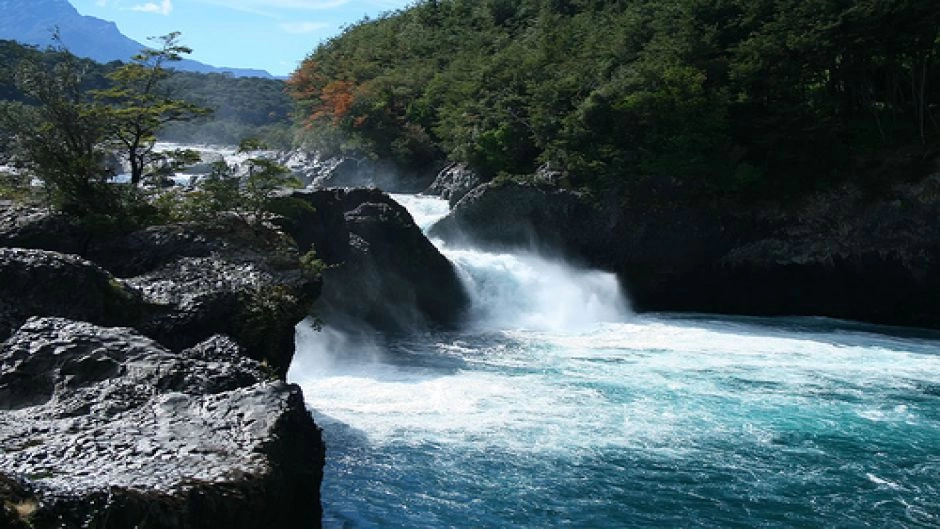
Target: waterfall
[521,290]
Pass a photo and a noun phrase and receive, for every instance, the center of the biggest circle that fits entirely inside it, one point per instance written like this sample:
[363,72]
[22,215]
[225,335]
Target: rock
[193,298]
[41,229]
[838,253]
[383,270]
[102,427]
[453,183]
[142,251]
[248,284]
[38,282]
[363,172]
[181,283]
[309,167]
[532,216]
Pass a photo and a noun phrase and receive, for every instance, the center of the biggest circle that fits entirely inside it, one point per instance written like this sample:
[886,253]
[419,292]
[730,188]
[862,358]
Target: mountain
[33,22]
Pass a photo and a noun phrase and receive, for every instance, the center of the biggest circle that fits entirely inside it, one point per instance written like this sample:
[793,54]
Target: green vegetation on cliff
[716,95]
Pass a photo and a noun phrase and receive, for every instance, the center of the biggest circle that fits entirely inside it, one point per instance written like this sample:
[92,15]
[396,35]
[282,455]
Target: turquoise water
[558,407]
[660,423]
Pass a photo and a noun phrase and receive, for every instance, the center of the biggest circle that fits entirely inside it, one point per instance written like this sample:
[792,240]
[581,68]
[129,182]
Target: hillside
[721,96]
[241,106]
[34,21]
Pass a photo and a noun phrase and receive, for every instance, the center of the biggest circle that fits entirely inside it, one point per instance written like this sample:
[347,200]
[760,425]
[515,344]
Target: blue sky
[274,35]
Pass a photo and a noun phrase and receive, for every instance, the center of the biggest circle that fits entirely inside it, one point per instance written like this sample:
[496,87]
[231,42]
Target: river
[557,406]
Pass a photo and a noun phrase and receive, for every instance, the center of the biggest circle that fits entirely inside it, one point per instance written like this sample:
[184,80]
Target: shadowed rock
[383,269]
[43,283]
[838,253]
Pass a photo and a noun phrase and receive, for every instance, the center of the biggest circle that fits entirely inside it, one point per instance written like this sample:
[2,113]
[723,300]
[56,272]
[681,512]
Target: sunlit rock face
[141,380]
[103,426]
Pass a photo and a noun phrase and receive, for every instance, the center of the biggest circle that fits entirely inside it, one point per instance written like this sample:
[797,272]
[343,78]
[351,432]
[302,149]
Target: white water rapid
[525,291]
[557,407]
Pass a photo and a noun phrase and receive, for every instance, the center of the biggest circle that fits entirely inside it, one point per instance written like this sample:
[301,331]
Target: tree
[60,137]
[137,107]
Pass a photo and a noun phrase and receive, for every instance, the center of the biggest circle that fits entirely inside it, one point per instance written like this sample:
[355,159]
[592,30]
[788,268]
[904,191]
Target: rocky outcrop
[453,183]
[38,282]
[179,284]
[839,253]
[146,391]
[102,427]
[363,172]
[39,228]
[534,216]
[382,269]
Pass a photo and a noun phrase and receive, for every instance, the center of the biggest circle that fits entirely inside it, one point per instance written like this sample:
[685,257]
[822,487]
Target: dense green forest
[728,96]
[241,107]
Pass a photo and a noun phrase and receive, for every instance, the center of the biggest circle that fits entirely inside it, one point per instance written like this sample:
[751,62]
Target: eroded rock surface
[144,390]
[453,183]
[38,282]
[103,427]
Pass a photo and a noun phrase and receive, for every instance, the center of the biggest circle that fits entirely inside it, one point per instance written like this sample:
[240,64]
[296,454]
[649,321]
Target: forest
[766,97]
[240,107]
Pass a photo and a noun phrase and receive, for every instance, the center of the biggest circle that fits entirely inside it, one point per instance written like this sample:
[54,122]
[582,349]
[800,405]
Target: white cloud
[164,8]
[268,7]
[303,27]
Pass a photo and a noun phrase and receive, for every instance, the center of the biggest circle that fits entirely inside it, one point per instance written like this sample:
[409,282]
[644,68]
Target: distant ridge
[33,21]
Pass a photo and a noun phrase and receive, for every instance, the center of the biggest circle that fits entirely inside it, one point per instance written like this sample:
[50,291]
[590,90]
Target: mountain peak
[35,21]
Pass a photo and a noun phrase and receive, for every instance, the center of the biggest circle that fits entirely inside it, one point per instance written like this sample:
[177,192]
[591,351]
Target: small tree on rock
[138,107]
[59,137]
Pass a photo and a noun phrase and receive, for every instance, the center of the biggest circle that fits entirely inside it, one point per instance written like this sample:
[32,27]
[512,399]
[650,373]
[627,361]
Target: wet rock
[453,183]
[102,427]
[363,172]
[383,270]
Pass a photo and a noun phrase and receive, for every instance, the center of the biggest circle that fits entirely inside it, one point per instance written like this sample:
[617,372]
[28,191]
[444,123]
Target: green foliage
[264,311]
[71,119]
[137,106]
[312,265]
[716,95]
[241,107]
[60,136]
[252,196]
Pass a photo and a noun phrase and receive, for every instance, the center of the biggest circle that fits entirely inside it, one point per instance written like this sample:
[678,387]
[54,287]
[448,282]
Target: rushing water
[558,407]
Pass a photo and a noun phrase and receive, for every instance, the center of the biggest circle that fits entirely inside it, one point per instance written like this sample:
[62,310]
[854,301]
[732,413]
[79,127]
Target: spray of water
[523,290]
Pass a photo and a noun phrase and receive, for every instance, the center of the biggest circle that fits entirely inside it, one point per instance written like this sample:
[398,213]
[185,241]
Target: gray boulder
[102,427]
[43,283]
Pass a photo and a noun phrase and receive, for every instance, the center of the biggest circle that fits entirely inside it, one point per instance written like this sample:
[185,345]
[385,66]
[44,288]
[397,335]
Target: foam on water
[524,290]
[424,210]
[593,417]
